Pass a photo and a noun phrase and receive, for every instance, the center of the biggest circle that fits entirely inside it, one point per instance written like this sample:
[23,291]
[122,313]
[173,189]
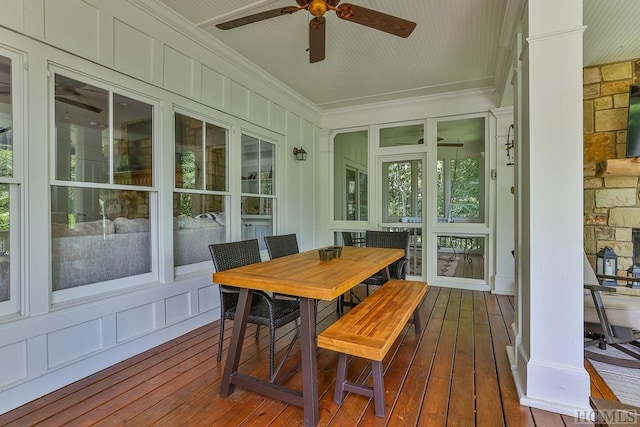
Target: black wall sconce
[300,153]
[510,145]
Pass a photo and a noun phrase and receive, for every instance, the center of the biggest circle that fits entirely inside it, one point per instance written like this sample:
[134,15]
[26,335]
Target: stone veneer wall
[611,205]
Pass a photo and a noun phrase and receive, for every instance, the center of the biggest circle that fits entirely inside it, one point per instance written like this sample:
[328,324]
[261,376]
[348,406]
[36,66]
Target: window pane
[460,170]
[363,196]
[98,235]
[188,142]
[190,165]
[216,149]
[133,136]
[402,135]
[440,189]
[465,188]
[267,156]
[461,257]
[199,220]
[6,119]
[258,159]
[5,277]
[82,137]
[257,218]
[403,190]
[350,169]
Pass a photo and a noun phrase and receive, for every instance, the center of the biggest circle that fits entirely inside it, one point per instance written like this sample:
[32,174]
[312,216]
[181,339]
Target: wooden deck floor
[456,374]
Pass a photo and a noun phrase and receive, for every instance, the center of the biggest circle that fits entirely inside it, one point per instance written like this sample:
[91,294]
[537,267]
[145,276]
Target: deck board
[456,373]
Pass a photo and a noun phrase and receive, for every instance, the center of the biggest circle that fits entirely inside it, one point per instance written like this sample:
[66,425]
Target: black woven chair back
[230,255]
[347,238]
[234,254]
[282,245]
[388,239]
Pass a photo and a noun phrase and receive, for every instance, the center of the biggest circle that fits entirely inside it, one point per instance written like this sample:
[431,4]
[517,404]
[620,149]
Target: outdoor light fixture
[300,153]
[607,265]
[634,271]
[510,145]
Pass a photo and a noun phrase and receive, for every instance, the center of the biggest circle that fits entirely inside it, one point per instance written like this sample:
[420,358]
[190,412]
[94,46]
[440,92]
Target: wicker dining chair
[397,270]
[279,246]
[349,240]
[265,310]
[388,239]
[282,245]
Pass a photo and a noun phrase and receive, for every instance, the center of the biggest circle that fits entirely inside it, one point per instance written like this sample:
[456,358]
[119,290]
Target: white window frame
[16,303]
[204,265]
[70,295]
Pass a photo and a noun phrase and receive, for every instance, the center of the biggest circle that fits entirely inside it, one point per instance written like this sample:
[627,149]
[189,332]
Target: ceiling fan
[69,91]
[317,26]
[444,144]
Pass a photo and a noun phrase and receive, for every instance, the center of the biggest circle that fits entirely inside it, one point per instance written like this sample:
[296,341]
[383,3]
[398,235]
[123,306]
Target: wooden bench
[369,330]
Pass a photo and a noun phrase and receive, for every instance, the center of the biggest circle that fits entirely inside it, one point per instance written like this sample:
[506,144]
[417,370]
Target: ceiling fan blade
[250,19]
[78,104]
[377,20]
[317,33]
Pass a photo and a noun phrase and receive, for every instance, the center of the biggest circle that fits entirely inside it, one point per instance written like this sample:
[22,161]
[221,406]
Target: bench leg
[416,321]
[341,377]
[378,387]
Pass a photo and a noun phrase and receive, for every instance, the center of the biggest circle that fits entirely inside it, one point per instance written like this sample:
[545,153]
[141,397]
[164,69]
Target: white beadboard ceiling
[457,44]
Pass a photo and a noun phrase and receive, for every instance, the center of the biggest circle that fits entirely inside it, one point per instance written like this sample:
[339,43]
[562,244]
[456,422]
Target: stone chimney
[611,204]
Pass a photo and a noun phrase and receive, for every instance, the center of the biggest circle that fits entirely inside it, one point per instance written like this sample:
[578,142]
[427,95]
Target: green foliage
[188,162]
[6,169]
[401,192]
[465,201]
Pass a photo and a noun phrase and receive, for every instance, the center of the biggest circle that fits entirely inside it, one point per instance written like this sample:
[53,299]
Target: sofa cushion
[89,228]
[126,225]
[198,222]
[622,310]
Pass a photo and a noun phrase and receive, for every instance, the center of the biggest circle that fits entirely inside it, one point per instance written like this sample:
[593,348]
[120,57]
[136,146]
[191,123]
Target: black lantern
[607,265]
[634,271]
[300,153]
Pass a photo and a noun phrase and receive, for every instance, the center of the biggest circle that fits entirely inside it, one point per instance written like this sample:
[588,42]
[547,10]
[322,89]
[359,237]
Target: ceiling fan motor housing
[317,8]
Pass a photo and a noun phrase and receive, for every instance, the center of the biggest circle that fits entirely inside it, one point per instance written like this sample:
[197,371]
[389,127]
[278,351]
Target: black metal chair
[397,270]
[265,310]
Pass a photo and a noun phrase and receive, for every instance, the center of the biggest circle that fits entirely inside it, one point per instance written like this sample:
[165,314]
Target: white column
[503,280]
[549,369]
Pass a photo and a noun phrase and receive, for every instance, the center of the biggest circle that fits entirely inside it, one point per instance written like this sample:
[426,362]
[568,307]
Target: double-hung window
[102,192]
[201,192]
[258,161]
[10,97]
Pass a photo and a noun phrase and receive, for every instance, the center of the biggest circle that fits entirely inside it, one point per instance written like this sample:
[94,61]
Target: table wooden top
[305,275]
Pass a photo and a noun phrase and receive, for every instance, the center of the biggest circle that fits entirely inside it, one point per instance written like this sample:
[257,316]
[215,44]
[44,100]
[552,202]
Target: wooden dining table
[305,276]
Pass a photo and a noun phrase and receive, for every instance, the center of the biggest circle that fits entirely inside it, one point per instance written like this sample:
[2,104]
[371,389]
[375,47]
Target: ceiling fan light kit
[317,26]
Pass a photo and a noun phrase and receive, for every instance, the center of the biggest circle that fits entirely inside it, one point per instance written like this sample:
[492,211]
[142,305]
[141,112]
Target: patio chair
[282,245]
[612,317]
[279,246]
[349,240]
[397,270]
[265,310]
[388,239]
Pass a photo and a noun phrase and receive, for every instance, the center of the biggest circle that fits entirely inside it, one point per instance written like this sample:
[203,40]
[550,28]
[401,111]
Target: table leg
[309,361]
[385,274]
[237,337]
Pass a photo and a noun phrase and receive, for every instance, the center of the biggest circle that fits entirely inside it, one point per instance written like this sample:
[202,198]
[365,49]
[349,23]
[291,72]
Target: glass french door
[402,198]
